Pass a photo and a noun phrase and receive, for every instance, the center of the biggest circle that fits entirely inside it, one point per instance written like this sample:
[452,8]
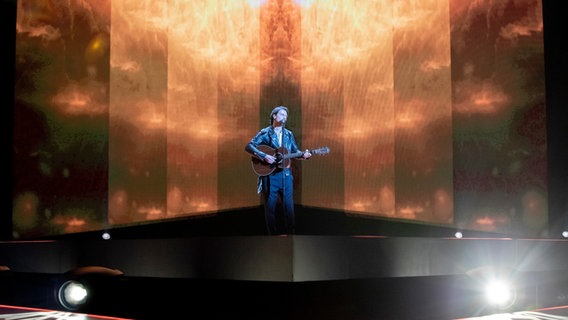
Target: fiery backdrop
[138,111]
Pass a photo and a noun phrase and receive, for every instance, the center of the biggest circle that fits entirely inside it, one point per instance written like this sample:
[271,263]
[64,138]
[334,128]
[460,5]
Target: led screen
[137,111]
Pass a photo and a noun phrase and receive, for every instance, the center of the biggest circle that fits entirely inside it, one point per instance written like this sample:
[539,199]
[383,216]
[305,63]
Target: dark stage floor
[292,277]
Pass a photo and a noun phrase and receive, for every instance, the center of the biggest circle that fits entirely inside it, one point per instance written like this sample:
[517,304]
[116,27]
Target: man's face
[281,116]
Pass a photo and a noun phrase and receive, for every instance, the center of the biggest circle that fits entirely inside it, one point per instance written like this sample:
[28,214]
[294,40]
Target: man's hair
[275,111]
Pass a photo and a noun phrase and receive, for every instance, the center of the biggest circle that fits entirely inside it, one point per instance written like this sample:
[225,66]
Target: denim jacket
[267,136]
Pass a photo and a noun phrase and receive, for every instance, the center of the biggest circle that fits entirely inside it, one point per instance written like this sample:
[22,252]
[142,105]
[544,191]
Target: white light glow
[73,294]
[498,293]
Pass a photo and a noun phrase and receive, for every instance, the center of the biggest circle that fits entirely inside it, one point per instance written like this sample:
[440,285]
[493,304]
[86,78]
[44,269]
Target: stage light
[72,294]
[565,233]
[105,236]
[458,234]
[87,288]
[495,287]
[500,293]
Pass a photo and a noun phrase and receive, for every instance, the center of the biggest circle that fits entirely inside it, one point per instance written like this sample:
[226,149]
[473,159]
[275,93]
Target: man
[274,146]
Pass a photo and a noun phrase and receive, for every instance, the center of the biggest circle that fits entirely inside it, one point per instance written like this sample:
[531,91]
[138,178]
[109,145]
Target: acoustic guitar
[262,168]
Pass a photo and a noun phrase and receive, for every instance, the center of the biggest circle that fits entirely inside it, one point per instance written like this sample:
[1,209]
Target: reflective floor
[556,313]
[15,312]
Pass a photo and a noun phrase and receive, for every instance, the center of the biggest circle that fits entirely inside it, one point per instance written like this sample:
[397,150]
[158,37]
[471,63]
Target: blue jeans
[280,186]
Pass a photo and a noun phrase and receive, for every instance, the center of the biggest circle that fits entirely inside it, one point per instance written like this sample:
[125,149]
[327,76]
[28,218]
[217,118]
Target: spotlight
[565,233]
[496,286]
[105,236]
[87,288]
[458,234]
[72,295]
[500,293]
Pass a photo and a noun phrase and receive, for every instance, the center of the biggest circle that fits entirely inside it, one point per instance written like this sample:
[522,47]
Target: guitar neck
[292,155]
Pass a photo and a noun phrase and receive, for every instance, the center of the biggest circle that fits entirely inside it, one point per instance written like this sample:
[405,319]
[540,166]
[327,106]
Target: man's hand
[269,159]
[306,154]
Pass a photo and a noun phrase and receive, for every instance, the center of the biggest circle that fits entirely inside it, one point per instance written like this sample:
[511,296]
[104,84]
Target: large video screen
[138,111]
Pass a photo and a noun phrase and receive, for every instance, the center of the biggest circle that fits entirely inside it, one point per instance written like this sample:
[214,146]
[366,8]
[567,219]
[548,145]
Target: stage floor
[295,277]
[294,258]
[21,313]
[15,312]
[556,313]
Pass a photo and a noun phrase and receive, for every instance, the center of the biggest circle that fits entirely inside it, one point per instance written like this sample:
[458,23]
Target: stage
[334,277]
[292,258]
[13,312]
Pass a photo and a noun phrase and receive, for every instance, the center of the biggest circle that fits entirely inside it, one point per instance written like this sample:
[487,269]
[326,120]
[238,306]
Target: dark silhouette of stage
[175,268]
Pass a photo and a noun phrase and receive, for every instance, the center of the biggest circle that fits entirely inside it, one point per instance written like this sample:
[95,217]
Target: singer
[279,184]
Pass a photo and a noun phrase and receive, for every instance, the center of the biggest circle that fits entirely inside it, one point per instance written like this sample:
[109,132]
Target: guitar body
[262,168]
